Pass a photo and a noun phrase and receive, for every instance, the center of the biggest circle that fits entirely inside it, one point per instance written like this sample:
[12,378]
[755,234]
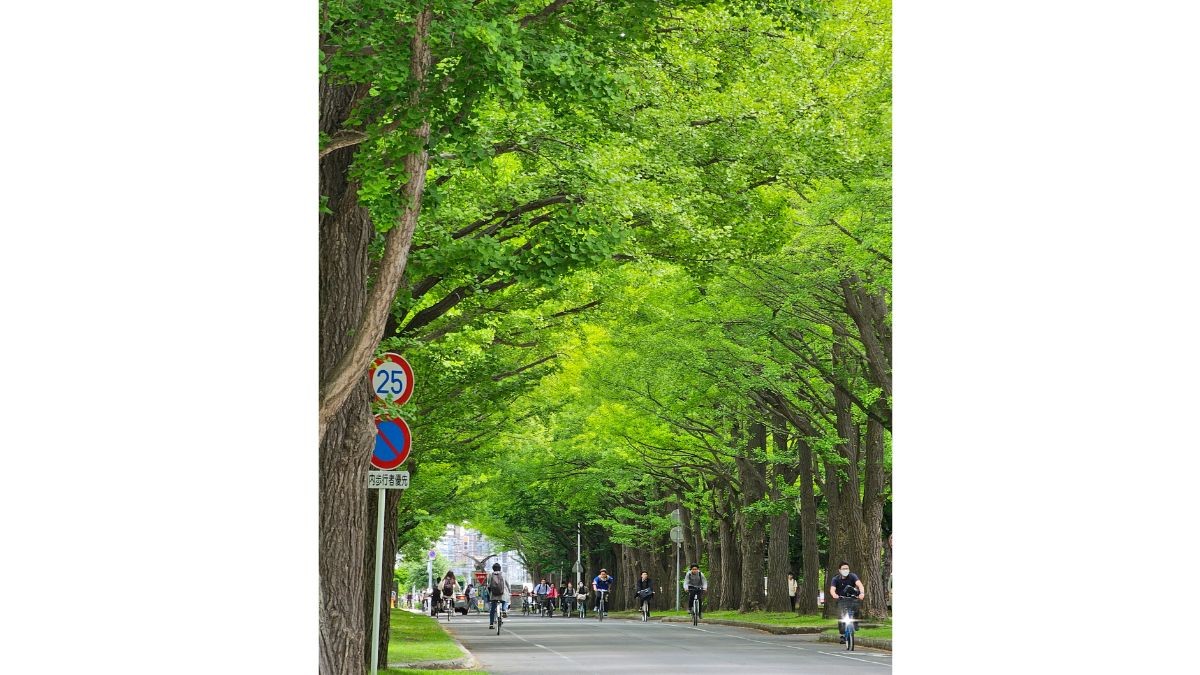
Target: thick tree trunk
[344,373]
[777,561]
[731,568]
[351,320]
[750,530]
[810,581]
[345,447]
[690,536]
[870,539]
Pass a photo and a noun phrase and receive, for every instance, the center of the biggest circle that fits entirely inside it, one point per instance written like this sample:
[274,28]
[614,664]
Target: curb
[777,630]
[874,643]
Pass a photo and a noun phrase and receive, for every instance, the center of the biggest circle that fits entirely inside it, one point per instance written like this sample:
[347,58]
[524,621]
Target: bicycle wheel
[499,622]
[850,637]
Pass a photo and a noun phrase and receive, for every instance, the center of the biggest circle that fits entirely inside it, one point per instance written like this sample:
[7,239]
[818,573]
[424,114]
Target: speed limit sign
[392,379]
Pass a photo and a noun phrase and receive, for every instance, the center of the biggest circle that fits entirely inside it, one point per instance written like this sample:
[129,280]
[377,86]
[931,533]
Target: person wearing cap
[602,582]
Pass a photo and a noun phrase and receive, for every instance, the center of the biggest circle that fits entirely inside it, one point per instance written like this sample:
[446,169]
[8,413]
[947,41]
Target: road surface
[544,645]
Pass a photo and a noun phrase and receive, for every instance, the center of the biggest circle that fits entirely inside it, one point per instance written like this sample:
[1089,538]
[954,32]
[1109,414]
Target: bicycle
[601,605]
[581,602]
[694,610]
[526,605]
[848,609]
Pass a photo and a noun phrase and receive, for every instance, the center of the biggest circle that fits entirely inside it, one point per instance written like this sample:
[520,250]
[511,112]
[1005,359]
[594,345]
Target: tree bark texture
[351,322]
[810,581]
[345,445]
[750,532]
[355,359]
[777,560]
[731,568]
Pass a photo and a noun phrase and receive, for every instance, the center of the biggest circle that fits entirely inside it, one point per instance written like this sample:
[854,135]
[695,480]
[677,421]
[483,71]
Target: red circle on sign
[393,441]
[400,361]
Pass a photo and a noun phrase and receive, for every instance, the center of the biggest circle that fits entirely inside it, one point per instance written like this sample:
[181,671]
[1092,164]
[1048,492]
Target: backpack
[495,584]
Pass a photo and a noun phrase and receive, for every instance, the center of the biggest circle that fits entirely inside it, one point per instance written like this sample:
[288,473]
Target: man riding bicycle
[602,582]
[695,584]
[848,590]
[497,588]
[542,591]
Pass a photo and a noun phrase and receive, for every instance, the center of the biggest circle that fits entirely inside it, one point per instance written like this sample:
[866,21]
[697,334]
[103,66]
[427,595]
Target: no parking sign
[393,440]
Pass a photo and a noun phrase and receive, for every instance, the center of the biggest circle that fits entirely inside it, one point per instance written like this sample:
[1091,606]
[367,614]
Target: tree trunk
[345,447]
[343,374]
[690,536]
[870,539]
[713,572]
[777,560]
[731,568]
[810,578]
[750,534]
[349,334]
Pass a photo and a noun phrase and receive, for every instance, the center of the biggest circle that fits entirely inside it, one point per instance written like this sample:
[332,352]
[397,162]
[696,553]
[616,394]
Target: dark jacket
[648,583]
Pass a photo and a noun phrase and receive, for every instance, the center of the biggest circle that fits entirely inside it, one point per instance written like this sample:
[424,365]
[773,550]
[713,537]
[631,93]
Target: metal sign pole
[378,584]
[677,577]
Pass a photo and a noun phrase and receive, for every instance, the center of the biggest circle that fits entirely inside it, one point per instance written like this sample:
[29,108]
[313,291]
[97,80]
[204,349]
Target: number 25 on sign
[392,379]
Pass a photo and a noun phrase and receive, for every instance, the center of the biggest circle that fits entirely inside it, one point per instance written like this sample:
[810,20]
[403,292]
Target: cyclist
[542,591]
[602,582]
[449,589]
[567,599]
[644,592]
[847,589]
[552,596]
[497,588]
[695,584]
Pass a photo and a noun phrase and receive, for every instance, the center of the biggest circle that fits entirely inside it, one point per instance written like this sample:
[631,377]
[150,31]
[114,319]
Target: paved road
[542,645]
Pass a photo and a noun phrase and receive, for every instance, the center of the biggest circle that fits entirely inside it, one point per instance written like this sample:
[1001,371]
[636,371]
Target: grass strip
[416,637]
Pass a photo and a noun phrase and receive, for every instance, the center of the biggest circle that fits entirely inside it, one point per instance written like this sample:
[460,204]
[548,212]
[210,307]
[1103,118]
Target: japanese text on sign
[384,480]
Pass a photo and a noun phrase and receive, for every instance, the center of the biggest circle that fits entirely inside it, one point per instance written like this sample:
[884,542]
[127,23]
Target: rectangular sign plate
[387,480]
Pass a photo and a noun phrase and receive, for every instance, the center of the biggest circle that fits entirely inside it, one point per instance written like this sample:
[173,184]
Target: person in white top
[695,584]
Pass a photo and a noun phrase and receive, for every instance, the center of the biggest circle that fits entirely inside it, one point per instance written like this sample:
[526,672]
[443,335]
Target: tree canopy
[648,269]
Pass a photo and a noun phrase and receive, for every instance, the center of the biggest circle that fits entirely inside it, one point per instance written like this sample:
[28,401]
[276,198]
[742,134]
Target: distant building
[460,544]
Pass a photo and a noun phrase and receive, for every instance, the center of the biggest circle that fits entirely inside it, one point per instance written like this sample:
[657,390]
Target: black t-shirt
[845,585]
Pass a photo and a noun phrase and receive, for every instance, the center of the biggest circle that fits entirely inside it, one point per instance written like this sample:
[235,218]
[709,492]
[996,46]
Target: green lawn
[416,637]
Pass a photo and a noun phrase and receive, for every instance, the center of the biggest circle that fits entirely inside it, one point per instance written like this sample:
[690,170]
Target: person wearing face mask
[847,589]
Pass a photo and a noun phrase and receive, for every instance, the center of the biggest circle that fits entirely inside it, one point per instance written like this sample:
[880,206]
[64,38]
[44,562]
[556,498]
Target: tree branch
[547,11]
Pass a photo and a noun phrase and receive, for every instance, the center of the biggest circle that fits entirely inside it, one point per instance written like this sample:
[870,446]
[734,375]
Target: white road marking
[854,659]
[778,644]
[542,647]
